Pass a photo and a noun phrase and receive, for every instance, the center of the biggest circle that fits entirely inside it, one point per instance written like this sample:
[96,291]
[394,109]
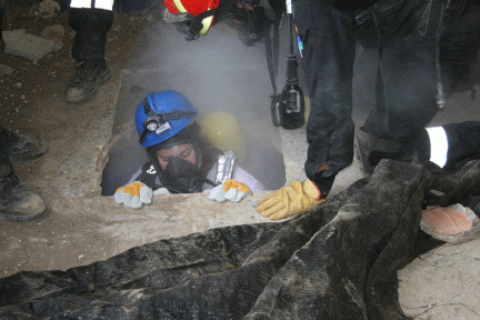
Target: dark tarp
[336,261]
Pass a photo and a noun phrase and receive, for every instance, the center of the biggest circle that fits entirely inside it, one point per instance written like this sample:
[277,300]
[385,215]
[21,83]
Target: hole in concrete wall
[263,157]
[216,72]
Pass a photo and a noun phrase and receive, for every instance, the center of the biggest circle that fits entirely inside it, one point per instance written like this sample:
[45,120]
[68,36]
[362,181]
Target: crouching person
[181,160]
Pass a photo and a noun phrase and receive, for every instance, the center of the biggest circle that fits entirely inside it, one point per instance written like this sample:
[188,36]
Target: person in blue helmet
[181,160]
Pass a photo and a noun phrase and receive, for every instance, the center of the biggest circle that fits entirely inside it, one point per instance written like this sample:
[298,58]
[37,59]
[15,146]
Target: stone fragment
[454,223]
[26,45]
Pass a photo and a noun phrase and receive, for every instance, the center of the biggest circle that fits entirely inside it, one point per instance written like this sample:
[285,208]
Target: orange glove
[133,195]
[230,190]
[296,197]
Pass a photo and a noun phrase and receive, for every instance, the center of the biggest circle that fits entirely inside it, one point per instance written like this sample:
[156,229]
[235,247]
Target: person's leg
[407,88]
[92,21]
[410,77]
[329,51]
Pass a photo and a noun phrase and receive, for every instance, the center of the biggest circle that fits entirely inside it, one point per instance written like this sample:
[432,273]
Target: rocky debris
[26,45]
[45,9]
[5,70]
[454,223]
[53,32]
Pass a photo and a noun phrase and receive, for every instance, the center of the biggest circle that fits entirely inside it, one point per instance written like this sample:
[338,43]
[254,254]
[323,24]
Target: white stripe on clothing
[87,4]
[438,145]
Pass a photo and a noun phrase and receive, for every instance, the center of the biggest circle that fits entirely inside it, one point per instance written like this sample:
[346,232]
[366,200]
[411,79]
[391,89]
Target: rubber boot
[17,202]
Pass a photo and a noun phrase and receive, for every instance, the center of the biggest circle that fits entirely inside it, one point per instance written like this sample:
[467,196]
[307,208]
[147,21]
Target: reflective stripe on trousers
[438,145]
[92,4]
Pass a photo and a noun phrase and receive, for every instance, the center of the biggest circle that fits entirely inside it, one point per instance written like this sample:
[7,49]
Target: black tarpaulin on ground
[336,261]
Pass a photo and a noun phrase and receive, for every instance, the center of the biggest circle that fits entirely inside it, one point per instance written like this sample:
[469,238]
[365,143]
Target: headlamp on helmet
[161,115]
[159,122]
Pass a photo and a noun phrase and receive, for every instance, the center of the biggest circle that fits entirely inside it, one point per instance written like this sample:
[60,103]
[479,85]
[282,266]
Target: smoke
[216,72]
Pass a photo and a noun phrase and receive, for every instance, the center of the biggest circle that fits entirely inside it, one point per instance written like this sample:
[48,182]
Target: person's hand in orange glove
[291,199]
[230,190]
[133,195]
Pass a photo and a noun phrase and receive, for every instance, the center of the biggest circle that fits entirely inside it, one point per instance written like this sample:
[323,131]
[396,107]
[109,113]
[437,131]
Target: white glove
[161,191]
[230,190]
[133,195]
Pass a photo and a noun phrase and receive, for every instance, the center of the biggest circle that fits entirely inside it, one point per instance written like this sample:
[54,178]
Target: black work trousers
[328,56]
[408,83]
[91,26]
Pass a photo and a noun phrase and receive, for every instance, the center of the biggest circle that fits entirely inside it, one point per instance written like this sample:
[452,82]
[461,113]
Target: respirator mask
[181,176]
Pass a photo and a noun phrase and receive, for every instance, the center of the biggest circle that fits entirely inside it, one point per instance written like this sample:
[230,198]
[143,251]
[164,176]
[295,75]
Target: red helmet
[196,14]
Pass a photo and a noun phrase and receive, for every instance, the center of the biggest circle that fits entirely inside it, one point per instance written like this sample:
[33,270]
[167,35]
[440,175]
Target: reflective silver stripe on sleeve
[438,145]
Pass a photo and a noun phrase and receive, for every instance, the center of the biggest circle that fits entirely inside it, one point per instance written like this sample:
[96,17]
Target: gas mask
[181,176]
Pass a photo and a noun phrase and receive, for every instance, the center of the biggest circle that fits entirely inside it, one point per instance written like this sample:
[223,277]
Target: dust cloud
[217,72]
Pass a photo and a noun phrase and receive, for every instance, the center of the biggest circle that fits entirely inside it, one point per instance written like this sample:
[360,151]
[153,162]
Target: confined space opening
[262,155]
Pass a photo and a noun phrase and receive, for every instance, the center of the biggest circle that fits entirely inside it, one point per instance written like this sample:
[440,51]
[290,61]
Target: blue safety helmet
[162,115]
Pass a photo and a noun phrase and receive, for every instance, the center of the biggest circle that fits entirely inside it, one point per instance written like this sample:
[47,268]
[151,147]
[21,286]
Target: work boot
[21,147]
[89,75]
[370,149]
[17,202]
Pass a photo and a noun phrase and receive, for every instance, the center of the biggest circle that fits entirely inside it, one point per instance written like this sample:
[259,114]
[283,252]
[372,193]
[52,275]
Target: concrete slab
[26,45]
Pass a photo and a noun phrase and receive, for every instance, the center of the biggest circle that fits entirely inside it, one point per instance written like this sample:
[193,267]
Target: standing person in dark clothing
[419,48]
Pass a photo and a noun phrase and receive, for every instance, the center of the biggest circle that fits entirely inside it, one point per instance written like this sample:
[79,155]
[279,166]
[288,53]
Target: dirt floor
[81,227]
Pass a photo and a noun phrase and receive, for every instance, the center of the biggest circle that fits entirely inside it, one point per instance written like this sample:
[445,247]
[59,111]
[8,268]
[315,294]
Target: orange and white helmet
[191,17]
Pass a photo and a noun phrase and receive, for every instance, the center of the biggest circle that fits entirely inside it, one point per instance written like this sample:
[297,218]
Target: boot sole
[24,218]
